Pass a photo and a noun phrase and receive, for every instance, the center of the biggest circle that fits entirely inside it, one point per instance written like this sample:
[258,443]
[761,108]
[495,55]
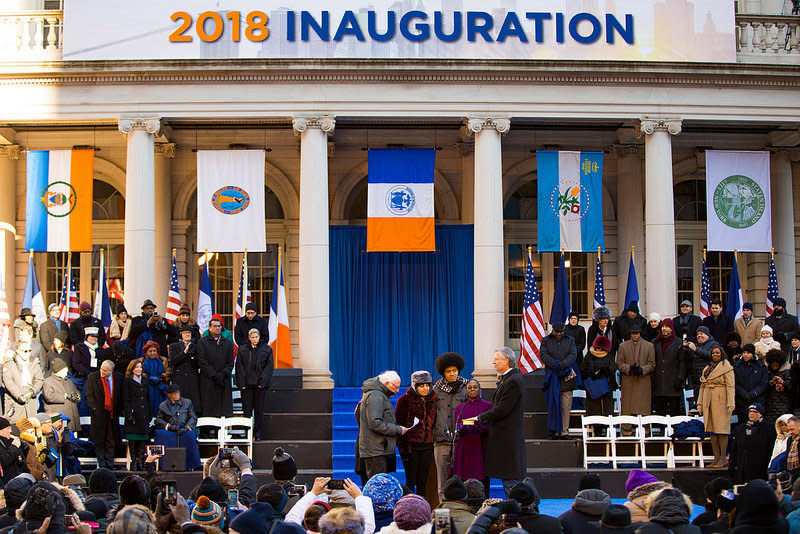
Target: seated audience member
[476,493]
[318,496]
[712,491]
[455,500]
[589,481]
[43,510]
[207,513]
[757,511]
[668,510]
[752,447]
[132,490]
[412,513]
[385,490]
[529,518]
[617,520]
[343,521]
[176,423]
[15,493]
[587,508]
[133,519]
[639,486]
[260,519]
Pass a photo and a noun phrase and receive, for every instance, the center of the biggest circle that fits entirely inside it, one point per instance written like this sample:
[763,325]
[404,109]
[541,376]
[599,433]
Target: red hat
[602,343]
[667,322]
[150,344]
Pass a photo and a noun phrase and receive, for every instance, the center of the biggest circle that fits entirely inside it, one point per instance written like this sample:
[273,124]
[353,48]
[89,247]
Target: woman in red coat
[416,445]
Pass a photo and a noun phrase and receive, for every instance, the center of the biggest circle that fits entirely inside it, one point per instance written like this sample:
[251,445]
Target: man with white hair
[377,429]
[505,446]
[104,396]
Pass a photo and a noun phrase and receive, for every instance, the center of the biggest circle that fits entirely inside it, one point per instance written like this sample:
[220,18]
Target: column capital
[150,125]
[478,124]
[301,123]
[792,153]
[623,150]
[165,149]
[649,126]
[10,151]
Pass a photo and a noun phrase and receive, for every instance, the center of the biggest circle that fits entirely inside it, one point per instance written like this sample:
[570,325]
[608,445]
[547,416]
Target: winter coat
[179,414]
[587,508]
[782,327]
[254,366]
[670,372]
[752,380]
[20,400]
[82,362]
[48,331]
[717,398]
[141,332]
[669,513]
[410,406]
[594,331]
[216,363]
[559,355]
[12,459]
[54,393]
[636,390]
[718,326]
[532,521]
[505,445]
[762,349]
[751,451]
[699,358]
[780,438]
[596,367]
[637,500]
[750,332]
[469,451]
[243,327]
[758,511]
[174,334]
[95,398]
[461,514]
[685,324]
[77,327]
[65,356]
[445,408]
[623,325]
[136,405]
[377,429]
[578,335]
[186,369]
[779,402]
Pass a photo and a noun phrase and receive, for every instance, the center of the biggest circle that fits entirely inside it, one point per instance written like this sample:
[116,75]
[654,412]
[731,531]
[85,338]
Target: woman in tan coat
[716,403]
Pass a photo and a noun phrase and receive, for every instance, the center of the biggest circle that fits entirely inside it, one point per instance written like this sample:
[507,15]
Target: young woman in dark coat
[780,385]
[602,326]
[416,445]
[599,364]
[752,380]
[670,371]
[136,402]
[574,330]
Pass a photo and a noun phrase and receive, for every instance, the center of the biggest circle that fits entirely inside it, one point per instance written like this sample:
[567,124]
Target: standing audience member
[184,320]
[781,435]
[529,518]
[253,373]
[417,405]
[15,493]
[747,326]
[177,424]
[792,452]
[59,394]
[712,491]
[699,354]
[559,356]
[120,327]
[733,346]
[26,315]
[638,487]
[149,326]
[455,500]
[51,326]
[470,446]
[215,356]
[629,318]
[22,376]
[636,360]
[412,514]
[757,511]
[668,510]
[156,368]
[224,332]
[783,323]
[718,323]
[450,392]
[751,448]
[377,428]
[586,511]
[12,453]
[670,372]
[574,330]
[249,321]
[716,403]
[779,385]
[59,350]
[79,325]
[505,445]
[599,370]
[138,412]
[686,322]
[794,348]
[766,342]
[87,357]
[751,381]
[104,397]
[602,326]
[653,327]
[185,367]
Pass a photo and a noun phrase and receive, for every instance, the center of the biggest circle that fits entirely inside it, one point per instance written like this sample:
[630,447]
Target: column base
[317,379]
[486,377]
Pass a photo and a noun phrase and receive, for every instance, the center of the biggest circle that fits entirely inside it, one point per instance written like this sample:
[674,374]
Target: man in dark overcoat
[215,356]
[505,446]
[104,397]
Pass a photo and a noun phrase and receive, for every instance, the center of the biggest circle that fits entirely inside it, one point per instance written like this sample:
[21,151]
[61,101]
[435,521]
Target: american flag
[174,295]
[115,290]
[244,287]
[532,324]
[772,287]
[599,290]
[705,294]
[68,304]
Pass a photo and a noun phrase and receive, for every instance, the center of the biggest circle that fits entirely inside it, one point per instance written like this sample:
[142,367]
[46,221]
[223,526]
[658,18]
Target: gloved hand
[508,507]
[636,370]
[240,459]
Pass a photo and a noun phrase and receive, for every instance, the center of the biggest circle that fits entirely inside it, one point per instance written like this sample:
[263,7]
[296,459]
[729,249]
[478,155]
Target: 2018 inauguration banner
[660,30]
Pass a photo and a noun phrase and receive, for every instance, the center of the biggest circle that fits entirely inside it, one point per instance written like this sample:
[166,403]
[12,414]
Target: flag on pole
[599,290]
[174,294]
[32,296]
[278,325]
[115,290]
[532,330]
[102,308]
[705,292]
[772,287]
[244,297]
[733,306]
[561,306]
[632,287]
[205,301]
[68,305]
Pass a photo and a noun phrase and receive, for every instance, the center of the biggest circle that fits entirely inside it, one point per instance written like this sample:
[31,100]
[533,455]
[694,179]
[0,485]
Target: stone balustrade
[31,35]
[768,39]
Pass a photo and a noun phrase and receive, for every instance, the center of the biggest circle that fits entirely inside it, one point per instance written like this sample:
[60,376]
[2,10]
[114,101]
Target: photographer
[149,326]
[319,494]
[176,423]
[227,470]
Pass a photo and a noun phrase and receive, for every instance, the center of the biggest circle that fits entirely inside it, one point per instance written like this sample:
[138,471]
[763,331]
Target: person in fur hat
[418,403]
[600,365]
[627,320]
[602,326]
[450,390]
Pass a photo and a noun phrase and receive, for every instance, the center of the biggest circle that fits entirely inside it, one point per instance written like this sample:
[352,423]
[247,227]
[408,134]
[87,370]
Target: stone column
[9,154]
[630,219]
[163,219]
[489,283]
[466,150]
[314,321]
[140,229]
[783,225]
[661,285]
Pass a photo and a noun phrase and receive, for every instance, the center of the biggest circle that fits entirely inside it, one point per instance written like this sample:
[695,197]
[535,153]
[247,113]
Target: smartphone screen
[170,492]
[233,498]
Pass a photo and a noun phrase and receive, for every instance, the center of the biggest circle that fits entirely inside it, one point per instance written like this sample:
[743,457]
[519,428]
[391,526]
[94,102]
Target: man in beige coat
[747,326]
[636,359]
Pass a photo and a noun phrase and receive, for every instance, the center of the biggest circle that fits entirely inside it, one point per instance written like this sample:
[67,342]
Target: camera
[441,521]
[225,456]
[509,520]
[233,499]
[335,484]
[296,489]
[155,450]
[170,492]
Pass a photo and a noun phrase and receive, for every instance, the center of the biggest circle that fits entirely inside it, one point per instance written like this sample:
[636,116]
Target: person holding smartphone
[318,496]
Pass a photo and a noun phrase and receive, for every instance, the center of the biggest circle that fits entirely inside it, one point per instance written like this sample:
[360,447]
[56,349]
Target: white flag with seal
[738,204]
[230,201]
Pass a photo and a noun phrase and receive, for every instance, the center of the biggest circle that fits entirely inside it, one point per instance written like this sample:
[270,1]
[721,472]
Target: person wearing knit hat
[412,513]
[207,513]
[529,518]
[77,326]
[184,320]
[669,374]
[782,322]
[256,520]
[134,519]
[638,477]
[577,332]
[120,327]
[15,493]
[639,486]
[283,467]
[589,481]
[476,493]
[652,329]
[213,490]
[251,319]
[44,506]
[416,410]
[599,370]
[455,494]
[450,391]
[384,490]
[711,491]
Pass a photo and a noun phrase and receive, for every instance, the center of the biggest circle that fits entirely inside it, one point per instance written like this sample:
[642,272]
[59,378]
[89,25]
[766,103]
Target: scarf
[451,387]
[792,458]
[667,341]
[109,404]
[710,367]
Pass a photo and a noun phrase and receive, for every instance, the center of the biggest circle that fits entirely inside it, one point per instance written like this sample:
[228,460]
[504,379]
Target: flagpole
[772,253]
[633,258]
[530,255]
[704,254]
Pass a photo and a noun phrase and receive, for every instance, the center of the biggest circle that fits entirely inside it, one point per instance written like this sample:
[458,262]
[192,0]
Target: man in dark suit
[505,447]
[104,397]
[718,323]
[686,322]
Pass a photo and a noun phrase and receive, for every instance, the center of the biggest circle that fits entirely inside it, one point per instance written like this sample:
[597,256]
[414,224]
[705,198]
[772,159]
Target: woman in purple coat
[470,448]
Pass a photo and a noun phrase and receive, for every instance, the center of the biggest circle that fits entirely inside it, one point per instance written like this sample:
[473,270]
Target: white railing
[768,39]
[31,35]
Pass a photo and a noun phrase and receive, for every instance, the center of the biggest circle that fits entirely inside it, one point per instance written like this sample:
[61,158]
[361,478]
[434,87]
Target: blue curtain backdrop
[392,310]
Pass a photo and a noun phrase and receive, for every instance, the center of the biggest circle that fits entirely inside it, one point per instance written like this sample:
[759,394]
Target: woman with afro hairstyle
[451,390]
[780,385]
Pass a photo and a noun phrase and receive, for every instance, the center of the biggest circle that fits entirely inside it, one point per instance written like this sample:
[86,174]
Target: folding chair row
[227,431]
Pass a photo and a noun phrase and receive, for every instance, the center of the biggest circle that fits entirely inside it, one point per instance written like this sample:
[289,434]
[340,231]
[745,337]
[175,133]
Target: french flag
[32,296]
[205,301]
[279,339]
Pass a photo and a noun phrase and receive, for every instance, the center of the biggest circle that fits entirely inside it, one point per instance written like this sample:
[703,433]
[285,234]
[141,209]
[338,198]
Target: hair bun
[278,451]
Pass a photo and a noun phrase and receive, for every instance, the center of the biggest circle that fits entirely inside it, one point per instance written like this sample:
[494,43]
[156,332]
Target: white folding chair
[588,425]
[695,444]
[688,395]
[577,394]
[216,425]
[243,425]
[656,430]
[634,439]
[617,394]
